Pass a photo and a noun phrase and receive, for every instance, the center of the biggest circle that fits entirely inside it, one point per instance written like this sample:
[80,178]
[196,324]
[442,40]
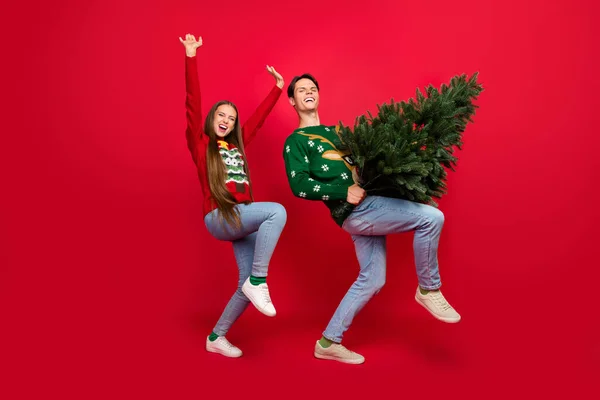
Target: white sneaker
[339,353]
[259,296]
[436,304]
[223,346]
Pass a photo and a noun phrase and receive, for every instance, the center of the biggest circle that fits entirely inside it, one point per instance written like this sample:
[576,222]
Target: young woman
[218,150]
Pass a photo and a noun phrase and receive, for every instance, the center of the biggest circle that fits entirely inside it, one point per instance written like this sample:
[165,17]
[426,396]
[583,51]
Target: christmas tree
[405,150]
[234,164]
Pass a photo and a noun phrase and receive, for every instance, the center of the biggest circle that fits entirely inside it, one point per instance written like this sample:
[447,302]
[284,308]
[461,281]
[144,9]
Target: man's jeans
[369,224]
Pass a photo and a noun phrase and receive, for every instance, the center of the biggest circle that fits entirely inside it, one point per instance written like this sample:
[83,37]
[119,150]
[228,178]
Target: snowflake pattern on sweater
[315,167]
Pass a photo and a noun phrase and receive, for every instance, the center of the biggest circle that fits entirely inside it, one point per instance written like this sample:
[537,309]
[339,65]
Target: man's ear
[292,101]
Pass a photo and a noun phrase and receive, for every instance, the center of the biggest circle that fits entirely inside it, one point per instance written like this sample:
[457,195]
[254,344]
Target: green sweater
[315,167]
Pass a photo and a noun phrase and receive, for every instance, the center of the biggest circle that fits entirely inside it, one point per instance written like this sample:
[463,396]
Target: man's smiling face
[306,96]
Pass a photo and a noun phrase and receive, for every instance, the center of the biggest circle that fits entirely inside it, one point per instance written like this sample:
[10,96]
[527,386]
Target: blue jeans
[253,246]
[369,224]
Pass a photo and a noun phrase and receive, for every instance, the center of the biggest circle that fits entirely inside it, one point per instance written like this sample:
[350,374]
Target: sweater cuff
[275,91]
[338,193]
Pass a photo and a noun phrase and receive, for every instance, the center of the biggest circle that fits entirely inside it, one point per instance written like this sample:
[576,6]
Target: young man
[317,170]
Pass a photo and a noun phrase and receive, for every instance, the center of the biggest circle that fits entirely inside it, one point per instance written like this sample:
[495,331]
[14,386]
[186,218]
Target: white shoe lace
[226,343]
[439,301]
[265,293]
[345,350]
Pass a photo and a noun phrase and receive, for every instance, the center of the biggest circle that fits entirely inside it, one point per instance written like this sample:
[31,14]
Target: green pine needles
[405,149]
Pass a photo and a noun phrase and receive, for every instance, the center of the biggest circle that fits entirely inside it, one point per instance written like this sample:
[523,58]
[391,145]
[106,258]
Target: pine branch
[404,150]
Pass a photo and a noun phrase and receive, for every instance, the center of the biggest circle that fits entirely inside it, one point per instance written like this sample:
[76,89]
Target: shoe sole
[342,360]
[217,351]
[254,304]
[446,320]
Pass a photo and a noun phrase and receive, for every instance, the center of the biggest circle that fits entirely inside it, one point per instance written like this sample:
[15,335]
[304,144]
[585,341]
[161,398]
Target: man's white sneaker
[436,304]
[259,296]
[223,346]
[339,353]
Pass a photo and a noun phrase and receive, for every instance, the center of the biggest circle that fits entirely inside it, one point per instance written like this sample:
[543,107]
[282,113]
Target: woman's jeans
[253,246]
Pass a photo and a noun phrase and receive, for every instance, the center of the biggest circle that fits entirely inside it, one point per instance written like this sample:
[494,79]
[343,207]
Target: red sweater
[198,140]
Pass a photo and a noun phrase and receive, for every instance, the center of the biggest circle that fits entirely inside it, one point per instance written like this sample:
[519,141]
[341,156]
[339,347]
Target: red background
[109,282]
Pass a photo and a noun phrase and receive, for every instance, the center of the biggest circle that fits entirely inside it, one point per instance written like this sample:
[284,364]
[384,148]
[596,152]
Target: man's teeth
[309,99]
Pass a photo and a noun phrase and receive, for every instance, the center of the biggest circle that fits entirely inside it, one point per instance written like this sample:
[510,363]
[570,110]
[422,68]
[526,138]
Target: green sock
[213,336]
[425,291]
[254,280]
[325,343]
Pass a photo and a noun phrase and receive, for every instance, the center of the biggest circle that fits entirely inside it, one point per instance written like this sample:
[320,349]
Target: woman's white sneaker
[260,297]
[223,346]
